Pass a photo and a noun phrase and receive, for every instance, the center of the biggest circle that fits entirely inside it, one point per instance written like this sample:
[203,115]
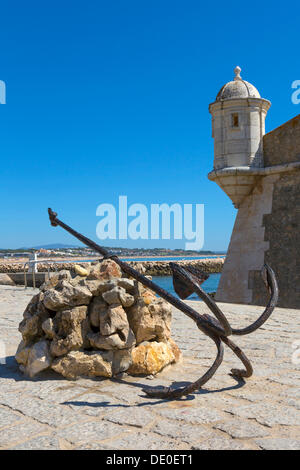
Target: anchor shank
[132,272]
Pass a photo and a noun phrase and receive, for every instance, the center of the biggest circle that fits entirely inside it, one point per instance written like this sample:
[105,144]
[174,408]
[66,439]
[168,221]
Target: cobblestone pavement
[53,413]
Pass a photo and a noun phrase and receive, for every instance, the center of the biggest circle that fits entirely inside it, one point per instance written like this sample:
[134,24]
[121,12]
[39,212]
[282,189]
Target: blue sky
[111,98]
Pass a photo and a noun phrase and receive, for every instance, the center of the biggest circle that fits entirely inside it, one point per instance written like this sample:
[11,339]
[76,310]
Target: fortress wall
[282,232]
[282,145]
[247,246]
[267,230]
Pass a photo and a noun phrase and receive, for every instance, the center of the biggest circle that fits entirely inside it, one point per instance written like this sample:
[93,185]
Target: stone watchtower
[260,173]
[238,126]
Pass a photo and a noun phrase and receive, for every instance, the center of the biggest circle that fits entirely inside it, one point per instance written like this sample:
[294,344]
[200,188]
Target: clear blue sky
[111,98]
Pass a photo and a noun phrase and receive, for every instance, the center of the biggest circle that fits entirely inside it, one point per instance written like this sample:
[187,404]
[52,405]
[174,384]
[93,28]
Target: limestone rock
[6,280]
[150,358]
[70,320]
[90,325]
[118,295]
[71,328]
[34,316]
[148,296]
[113,296]
[65,295]
[55,278]
[124,339]
[76,280]
[96,308]
[106,269]
[48,328]
[150,322]
[127,284]
[22,353]
[127,300]
[113,319]
[31,308]
[38,358]
[30,328]
[97,287]
[80,270]
[175,349]
[90,364]
[122,361]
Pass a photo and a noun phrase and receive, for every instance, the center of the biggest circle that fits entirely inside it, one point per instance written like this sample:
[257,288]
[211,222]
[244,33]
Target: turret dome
[237,88]
[238,127]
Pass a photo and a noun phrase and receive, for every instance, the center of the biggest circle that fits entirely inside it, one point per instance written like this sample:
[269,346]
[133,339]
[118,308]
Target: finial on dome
[237,72]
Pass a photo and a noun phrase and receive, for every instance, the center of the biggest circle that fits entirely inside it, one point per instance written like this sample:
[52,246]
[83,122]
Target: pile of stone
[98,323]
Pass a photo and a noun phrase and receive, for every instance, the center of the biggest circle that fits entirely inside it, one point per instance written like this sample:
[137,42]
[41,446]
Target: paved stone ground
[53,413]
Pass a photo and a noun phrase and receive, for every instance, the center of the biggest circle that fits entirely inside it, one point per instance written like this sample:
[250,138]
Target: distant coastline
[178,256]
[74,259]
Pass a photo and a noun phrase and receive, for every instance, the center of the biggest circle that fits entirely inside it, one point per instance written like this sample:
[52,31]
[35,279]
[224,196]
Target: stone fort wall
[282,145]
[247,246]
[282,233]
[267,228]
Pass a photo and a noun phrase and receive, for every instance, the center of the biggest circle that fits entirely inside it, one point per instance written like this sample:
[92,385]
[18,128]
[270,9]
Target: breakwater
[149,268]
[162,268]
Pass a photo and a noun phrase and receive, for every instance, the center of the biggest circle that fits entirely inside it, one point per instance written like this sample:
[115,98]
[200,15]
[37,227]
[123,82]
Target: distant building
[261,175]
[42,251]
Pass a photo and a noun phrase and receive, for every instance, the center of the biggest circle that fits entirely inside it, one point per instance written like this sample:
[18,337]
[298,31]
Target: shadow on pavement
[10,370]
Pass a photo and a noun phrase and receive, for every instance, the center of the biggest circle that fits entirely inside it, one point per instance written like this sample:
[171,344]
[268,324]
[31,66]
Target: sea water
[210,285]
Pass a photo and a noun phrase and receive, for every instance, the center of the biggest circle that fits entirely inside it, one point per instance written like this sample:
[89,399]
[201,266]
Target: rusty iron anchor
[186,281]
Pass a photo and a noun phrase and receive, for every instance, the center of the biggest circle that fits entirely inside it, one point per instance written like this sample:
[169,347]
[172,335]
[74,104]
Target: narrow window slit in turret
[235,120]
